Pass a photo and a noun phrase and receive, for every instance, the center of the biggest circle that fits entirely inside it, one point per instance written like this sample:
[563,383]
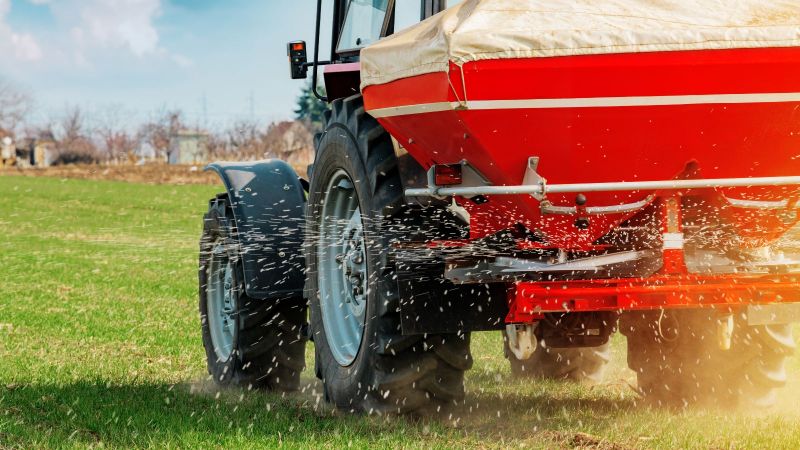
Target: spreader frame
[530,301]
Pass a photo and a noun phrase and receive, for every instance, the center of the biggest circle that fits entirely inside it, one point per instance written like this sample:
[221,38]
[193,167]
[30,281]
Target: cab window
[410,12]
[406,14]
[363,24]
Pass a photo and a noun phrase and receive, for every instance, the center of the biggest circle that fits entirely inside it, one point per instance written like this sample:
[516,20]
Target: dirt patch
[587,441]
[147,174]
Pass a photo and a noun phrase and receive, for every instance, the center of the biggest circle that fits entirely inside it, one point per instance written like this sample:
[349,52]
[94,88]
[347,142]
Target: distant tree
[310,110]
[218,147]
[14,105]
[159,129]
[119,144]
[74,144]
[246,139]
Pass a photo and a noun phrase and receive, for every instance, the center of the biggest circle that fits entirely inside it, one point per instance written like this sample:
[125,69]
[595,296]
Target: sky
[217,60]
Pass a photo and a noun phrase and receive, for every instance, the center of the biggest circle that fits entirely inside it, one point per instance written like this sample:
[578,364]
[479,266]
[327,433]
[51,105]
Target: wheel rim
[221,302]
[342,269]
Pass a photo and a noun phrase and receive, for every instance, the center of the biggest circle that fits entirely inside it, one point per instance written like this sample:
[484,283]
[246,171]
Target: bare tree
[119,144]
[217,146]
[158,130]
[71,125]
[15,104]
[246,138]
[74,144]
[289,140]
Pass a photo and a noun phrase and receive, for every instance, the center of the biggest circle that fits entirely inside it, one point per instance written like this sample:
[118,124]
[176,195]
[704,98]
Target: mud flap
[268,202]
[431,304]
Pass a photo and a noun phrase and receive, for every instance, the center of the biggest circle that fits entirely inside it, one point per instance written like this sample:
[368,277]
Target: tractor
[553,175]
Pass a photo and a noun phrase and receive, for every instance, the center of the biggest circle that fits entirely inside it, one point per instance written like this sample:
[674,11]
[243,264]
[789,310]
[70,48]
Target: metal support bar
[547,208]
[642,263]
[540,190]
[316,55]
[761,204]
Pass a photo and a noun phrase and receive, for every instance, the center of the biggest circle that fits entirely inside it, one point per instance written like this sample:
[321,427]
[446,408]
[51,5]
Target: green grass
[100,346]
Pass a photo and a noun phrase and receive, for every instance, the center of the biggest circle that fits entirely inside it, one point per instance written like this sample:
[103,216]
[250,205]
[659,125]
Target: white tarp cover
[495,29]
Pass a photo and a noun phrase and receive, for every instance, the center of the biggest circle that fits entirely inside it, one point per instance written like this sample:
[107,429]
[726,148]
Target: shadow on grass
[86,413]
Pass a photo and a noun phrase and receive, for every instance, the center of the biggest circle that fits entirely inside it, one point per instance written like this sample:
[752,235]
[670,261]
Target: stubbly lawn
[100,346]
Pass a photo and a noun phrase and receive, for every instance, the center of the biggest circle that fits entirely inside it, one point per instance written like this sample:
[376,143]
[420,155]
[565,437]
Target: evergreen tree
[310,109]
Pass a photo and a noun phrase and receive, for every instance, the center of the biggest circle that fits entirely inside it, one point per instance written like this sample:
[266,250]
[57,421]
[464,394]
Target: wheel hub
[342,269]
[353,265]
[221,303]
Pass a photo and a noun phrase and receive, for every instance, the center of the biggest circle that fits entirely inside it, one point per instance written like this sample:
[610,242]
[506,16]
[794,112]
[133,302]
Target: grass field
[100,346]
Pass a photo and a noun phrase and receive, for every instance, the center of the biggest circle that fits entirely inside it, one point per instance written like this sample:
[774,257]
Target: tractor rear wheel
[679,361]
[584,364]
[355,213]
[249,342]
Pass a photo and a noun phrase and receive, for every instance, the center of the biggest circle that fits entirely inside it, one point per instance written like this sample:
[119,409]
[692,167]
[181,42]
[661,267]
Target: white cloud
[25,47]
[89,31]
[120,23]
[108,24]
[182,61]
[20,46]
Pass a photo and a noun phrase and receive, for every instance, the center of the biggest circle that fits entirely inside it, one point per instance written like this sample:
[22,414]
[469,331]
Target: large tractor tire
[679,361]
[249,342]
[584,364]
[355,213]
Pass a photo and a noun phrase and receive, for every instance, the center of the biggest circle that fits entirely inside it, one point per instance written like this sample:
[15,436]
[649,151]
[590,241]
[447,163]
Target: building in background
[43,152]
[8,152]
[188,147]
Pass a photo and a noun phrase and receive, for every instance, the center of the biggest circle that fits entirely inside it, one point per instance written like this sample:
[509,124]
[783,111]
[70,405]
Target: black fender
[268,202]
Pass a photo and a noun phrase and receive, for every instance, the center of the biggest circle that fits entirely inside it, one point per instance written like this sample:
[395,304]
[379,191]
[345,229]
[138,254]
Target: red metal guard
[529,301]
[672,287]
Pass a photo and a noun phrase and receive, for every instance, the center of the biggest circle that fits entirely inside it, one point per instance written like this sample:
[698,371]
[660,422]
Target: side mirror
[298,60]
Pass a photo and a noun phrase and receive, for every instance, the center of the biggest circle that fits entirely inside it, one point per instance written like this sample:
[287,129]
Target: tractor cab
[356,24]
